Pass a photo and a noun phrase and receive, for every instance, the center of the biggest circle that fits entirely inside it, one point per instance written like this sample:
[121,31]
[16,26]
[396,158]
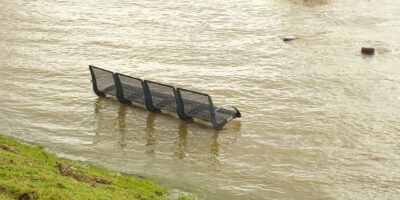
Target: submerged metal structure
[158,97]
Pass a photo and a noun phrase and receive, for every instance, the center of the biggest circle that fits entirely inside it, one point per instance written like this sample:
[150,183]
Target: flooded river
[320,121]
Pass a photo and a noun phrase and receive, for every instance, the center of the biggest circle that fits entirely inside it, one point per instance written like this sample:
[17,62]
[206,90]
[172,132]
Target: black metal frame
[178,102]
[94,82]
[148,99]
[214,122]
[120,90]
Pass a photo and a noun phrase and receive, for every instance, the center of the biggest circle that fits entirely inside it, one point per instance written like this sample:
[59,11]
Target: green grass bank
[28,171]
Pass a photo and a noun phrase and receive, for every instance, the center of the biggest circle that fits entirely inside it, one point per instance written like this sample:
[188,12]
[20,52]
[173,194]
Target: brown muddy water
[320,121]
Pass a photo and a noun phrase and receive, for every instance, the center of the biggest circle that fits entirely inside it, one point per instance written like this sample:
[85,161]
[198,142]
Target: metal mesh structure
[196,105]
[200,106]
[162,96]
[132,88]
[103,81]
[222,114]
[157,96]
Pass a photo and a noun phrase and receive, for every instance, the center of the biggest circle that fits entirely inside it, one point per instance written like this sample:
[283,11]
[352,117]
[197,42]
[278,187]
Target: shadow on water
[97,108]
[214,150]
[150,137]
[108,124]
[156,129]
[146,132]
[181,142]
[122,125]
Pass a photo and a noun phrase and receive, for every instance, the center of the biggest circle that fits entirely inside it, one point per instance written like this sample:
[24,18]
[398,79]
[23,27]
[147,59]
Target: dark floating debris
[288,39]
[368,50]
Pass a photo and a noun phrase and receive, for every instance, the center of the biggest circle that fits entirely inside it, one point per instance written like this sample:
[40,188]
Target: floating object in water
[288,39]
[368,50]
[156,97]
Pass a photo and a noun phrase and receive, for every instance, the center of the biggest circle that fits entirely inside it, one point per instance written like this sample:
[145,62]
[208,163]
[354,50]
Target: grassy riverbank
[29,172]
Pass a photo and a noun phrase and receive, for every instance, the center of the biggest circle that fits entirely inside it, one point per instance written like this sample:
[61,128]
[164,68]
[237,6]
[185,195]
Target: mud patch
[5,190]
[8,148]
[24,196]
[67,170]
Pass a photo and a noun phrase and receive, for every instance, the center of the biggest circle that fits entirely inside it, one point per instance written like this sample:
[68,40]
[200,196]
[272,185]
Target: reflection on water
[105,120]
[320,120]
[311,3]
[214,150]
[181,140]
[122,124]
[99,118]
[150,137]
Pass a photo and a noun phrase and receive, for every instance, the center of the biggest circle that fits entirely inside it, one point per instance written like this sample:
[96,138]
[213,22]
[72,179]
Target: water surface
[320,121]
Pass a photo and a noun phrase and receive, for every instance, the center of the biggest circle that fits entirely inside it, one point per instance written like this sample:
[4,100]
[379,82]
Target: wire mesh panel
[103,80]
[156,96]
[196,105]
[163,96]
[222,114]
[132,88]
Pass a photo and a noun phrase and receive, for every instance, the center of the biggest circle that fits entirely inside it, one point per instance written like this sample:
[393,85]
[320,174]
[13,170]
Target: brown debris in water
[288,39]
[67,170]
[8,148]
[368,50]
